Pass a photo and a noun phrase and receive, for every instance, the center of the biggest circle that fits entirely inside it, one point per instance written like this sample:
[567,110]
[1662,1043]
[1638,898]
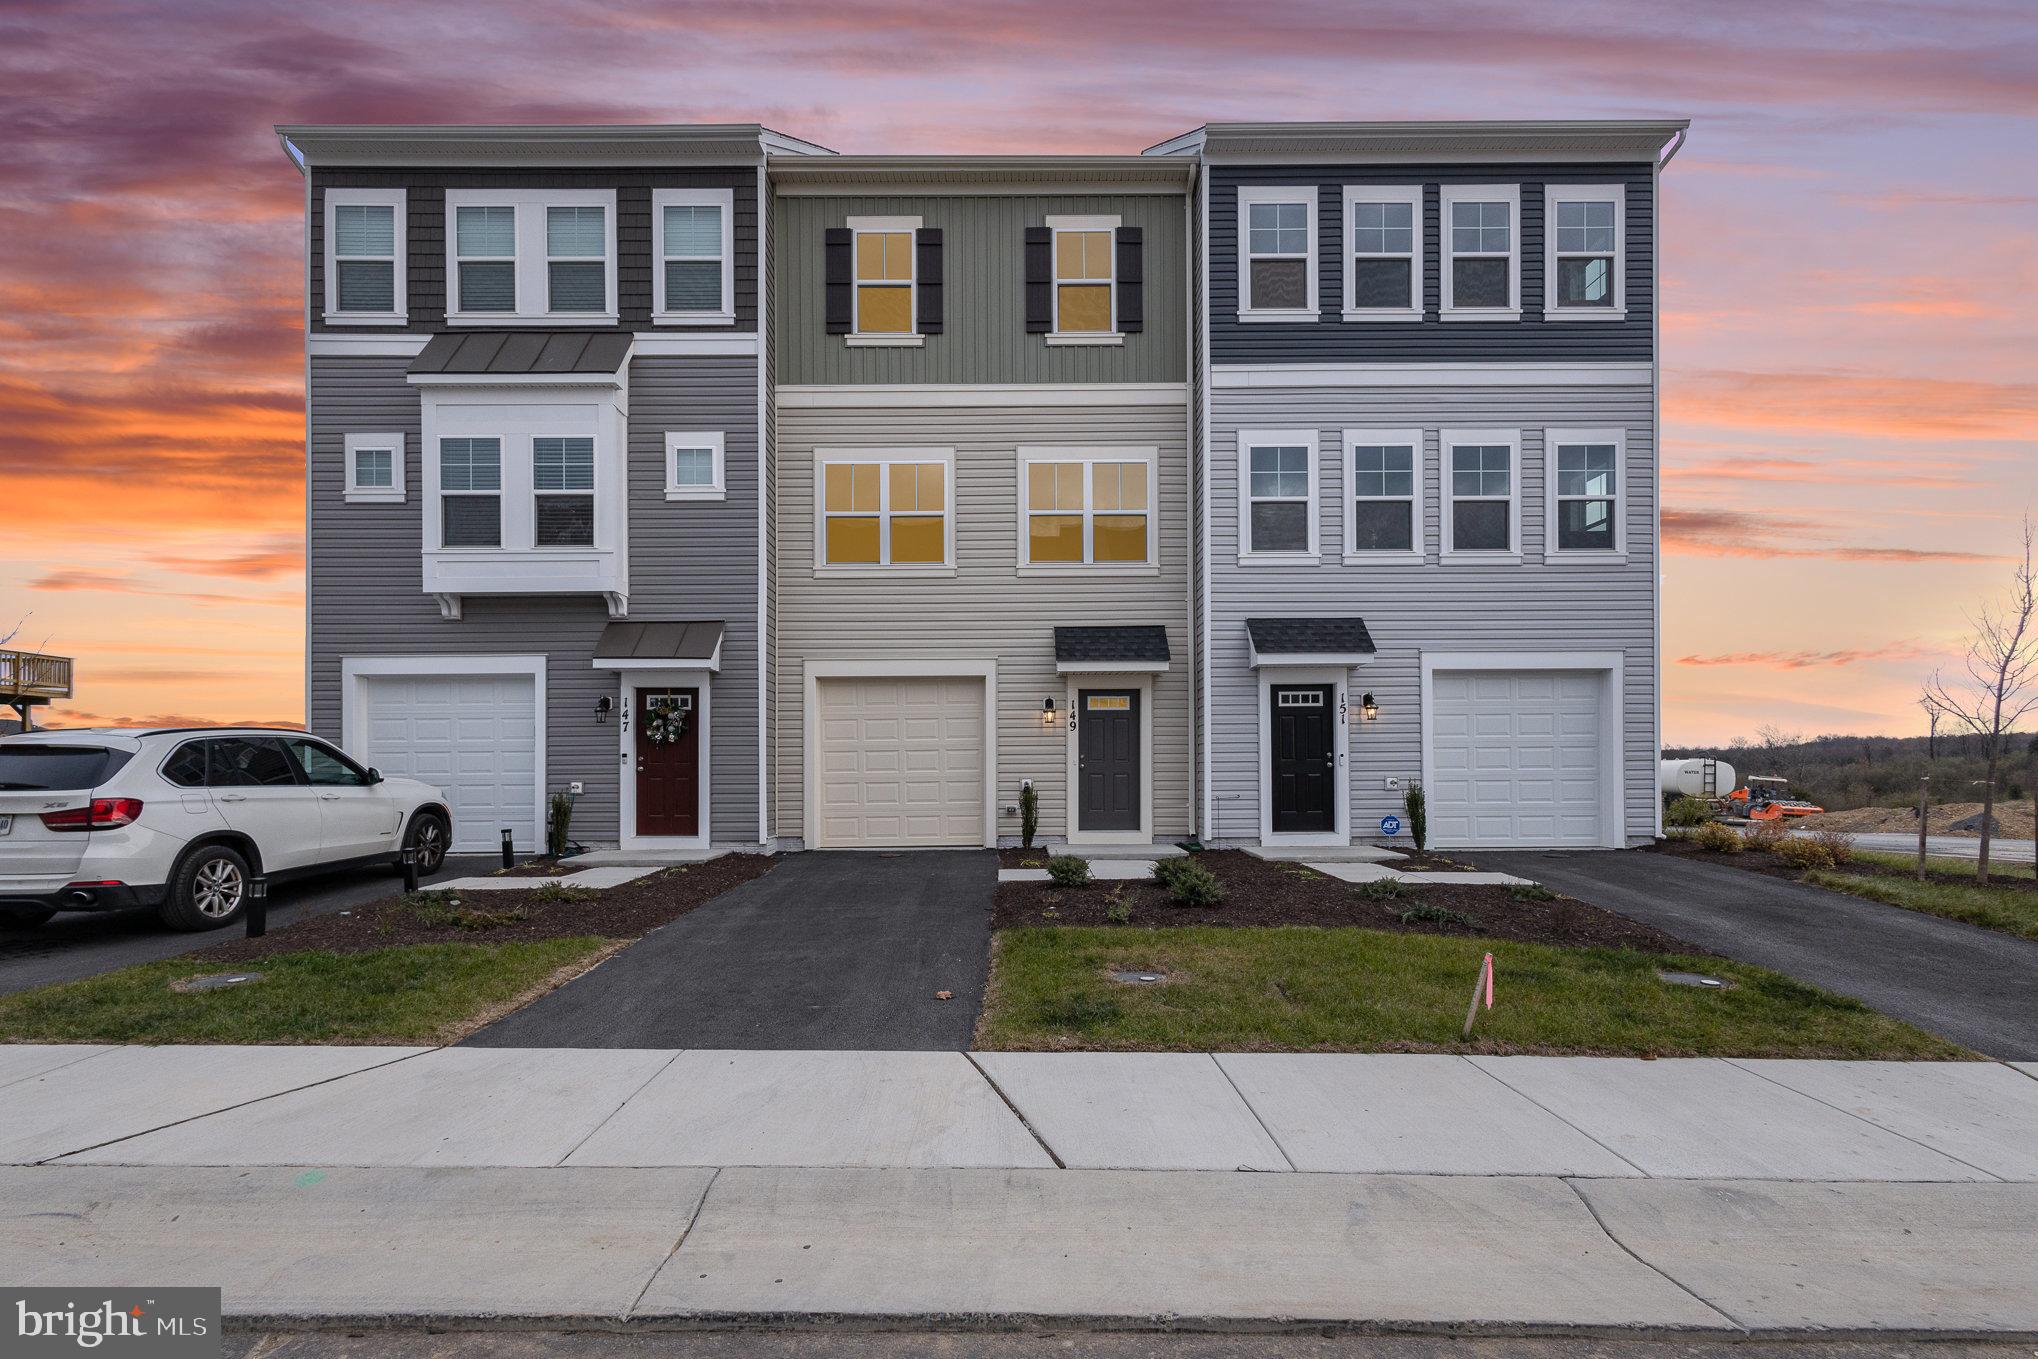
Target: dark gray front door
[1304,758]
[1107,760]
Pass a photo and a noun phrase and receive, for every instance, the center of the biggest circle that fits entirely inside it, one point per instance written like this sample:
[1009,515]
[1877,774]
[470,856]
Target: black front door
[1305,758]
[1107,760]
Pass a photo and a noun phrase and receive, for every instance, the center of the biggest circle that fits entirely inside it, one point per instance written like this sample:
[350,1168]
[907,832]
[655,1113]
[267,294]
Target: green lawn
[1370,991]
[421,993]
[2011,907]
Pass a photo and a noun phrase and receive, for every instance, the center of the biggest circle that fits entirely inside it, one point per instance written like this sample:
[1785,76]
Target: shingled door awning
[530,355]
[660,646]
[1108,650]
[1309,641]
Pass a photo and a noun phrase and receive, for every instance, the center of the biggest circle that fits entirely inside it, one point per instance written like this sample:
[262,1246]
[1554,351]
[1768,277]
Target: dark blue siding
[1333,340]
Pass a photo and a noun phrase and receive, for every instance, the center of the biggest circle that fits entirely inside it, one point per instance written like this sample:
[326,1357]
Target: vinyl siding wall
[984,337]
[1331,339]
[986,610]
[1409,609]
[693,560]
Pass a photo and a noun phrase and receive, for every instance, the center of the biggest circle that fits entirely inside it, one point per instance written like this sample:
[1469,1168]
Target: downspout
[304,169]
[1656,448]
[766,656]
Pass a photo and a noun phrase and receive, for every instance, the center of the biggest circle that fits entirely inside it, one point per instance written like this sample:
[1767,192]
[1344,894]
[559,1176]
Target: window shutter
[1131,280]
[836,244]
[927,268]
[1039,280]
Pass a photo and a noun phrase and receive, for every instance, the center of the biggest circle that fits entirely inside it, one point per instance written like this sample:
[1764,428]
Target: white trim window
[1085,279]
[883,509]
[374,468]
[519,257]
[695,279]
[883,279]
[1383,252]
[694,466]
[1585,252]
[562,491]
[1383,509]
[1087,508]
[1276,253]
[1482,252]
[365,257]
[1481,494]
[470,493]
[1585,477]
[1277,492]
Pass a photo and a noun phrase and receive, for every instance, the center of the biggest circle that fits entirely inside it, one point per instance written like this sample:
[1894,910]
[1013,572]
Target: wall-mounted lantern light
[1368,709]
[1047,712]
[603,706]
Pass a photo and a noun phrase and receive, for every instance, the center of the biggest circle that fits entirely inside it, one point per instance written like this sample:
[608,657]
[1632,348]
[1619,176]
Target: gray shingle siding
[688,559]
[1330,339]
[425,233]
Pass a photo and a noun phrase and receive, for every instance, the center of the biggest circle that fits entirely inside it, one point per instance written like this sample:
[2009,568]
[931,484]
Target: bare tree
[1999,686]
[1933,712]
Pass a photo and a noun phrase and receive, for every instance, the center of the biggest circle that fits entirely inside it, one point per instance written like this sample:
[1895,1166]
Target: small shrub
[555,893]
[1193,885]
[1416,803]
[1530,891]
[1687,811]
[1812,851]
[1029,815]
[557,821]
[1764,836]
[1383,889]
[444,911]
[1837,846]
[1714,838]
[1434,915]
[1119,912]
[1068,870]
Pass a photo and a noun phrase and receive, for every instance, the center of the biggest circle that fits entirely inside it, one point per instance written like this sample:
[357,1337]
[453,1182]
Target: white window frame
[1616,194]
[725,199]
[533,279]
[1553,439]
[1410,194]
[1089,455]
[1449,197]
[1248,195]
[1248,440]
[392,494]
[1056,225]
[709,439]
[1418,541]
[857,337]
[435,527]
[884,458]
[1447,496]
[368,198]
[589,495]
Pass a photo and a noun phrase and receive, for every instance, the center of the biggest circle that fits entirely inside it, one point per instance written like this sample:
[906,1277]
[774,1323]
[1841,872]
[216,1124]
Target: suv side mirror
[374,774]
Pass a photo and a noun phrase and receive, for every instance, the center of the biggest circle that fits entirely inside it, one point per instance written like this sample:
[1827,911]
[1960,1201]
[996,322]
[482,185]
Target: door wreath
[665,720]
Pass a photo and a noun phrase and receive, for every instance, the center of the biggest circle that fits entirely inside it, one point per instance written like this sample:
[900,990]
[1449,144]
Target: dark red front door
[669,772]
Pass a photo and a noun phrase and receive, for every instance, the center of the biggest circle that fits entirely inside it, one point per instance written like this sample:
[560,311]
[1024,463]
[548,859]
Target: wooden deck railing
[30,674]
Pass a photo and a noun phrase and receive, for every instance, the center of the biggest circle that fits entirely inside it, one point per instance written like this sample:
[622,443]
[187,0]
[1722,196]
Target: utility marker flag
[1482,988]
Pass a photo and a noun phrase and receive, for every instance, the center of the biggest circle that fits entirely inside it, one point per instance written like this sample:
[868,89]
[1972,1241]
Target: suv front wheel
[209,889]
[428,835]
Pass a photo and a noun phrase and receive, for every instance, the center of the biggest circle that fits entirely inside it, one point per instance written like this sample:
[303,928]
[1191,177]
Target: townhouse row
[757,495]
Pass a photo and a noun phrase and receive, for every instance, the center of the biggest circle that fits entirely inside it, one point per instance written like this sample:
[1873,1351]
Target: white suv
[182,819]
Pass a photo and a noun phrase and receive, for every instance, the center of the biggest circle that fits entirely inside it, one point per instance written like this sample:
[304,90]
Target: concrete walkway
[1977,987]
[466,1186]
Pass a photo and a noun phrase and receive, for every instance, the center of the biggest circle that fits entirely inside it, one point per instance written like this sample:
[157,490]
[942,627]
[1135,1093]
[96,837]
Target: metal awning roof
[1309,641]
[693,645]
[1111,648]
[506,354]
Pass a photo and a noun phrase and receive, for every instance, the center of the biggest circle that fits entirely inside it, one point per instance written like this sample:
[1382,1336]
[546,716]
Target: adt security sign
[1390,825]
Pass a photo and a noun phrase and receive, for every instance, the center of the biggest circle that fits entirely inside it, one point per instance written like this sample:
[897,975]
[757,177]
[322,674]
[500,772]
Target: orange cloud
[1806,660]
[281,557]
[117,582]
[1881,405]
[1751,533]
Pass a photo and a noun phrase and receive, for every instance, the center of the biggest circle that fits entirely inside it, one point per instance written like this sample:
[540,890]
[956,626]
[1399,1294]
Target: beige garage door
[901,762]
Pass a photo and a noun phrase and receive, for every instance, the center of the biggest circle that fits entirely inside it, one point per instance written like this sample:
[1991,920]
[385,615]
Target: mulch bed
[1260,893]
[535,868]
[1423,861]
[502,917]
[2000,874]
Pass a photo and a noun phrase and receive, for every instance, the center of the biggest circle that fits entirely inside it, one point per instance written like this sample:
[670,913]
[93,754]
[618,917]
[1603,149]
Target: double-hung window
[1277,495]
[1085,252]
[693,466]
[884,507]
[695,280]
[364,257]
[1584,474]
[1089,507]
[562,485]
[1482,252]
[884,275]
[1384,516]
[374,467]
[1383,263]
[1277,249]
[531,256]
[470,492]
[1585,252]
[1481,485]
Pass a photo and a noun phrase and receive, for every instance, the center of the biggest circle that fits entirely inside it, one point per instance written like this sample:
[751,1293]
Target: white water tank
[1700,777]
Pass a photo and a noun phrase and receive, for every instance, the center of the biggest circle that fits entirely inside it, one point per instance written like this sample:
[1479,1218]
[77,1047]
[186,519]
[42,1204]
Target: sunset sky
[1850,275]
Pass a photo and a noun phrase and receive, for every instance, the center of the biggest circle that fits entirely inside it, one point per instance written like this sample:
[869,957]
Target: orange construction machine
[1768,799]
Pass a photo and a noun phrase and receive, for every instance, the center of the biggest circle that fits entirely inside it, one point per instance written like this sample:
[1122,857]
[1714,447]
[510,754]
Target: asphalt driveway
[828,950]
[1977,987]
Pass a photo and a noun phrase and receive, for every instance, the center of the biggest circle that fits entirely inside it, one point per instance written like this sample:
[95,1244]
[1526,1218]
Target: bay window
[562,482]
[470,492]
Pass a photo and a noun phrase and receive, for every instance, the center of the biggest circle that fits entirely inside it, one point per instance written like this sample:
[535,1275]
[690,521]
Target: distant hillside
[1879,771]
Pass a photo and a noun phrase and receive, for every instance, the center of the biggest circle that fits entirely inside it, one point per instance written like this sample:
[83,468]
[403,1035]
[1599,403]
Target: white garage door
[473,737]
[1515,758]
[901,762]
